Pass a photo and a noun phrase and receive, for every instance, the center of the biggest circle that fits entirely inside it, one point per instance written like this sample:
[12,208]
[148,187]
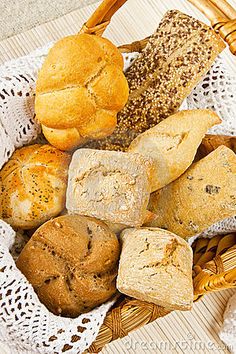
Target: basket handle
[221,15]
[100,19]
[218,274]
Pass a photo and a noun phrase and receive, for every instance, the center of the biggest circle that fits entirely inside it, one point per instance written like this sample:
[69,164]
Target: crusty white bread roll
[33,185]
[173,143]
[112,186]
[156,266]
[79,91]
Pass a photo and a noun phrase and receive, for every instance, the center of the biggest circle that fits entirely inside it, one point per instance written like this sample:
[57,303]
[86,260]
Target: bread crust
[156,266]
[109,185]
[81,86]
[202,196]
[172,144]
[174,60]
[71,262]
[33,185]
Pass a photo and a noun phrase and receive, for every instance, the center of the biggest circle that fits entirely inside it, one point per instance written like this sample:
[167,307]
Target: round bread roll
[71,262]
[33,185]
[80,89]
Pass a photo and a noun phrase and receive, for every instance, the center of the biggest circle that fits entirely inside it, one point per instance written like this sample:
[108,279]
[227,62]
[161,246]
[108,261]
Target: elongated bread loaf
[202,196]
[156,266]
[172,144]
[177,55]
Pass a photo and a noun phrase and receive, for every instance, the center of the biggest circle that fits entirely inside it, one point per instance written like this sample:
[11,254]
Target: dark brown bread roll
[71,262]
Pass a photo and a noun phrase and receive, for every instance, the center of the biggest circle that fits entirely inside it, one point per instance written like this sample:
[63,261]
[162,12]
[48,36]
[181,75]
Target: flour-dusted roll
[33,185]
[156,266]
[110,185]
[172,144]
[202,196]
[72,263]
[176,57]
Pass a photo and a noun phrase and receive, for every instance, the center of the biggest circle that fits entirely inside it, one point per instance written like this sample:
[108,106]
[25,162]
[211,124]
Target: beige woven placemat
[22,15]
[179,332]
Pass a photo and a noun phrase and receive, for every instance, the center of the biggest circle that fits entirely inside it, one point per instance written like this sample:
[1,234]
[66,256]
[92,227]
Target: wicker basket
[214,260]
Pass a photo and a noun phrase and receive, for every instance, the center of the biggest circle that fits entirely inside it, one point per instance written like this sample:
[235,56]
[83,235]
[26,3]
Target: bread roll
[71,262]
[33,185]
[64,139]
[212,142]
[156,266]
[109,185]
[79,91]
[202,196]
[173,143]
[174,60]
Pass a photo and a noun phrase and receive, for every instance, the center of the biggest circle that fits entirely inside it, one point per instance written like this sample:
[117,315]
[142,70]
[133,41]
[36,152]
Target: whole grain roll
[33,186]
[174,60]
[201,197]
[71,262]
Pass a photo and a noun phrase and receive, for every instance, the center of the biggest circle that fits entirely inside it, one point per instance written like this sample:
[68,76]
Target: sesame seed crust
[177,55]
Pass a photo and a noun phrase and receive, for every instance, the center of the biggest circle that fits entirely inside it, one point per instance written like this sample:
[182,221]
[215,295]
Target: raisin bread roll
[71,262]
[176,57]
[156,266]
[202,196]
[172,144]
[33,185]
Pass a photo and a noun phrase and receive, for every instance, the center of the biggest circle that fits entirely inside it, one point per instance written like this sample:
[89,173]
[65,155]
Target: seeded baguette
[177,55]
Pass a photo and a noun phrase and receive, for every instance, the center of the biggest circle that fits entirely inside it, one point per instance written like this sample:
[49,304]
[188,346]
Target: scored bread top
[82,86]
[71,261]
[156,266]
[109,185]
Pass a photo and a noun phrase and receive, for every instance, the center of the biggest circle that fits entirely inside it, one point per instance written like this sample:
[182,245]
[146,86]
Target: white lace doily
[25,324]
[222,227]
[17,89]
[228,331]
